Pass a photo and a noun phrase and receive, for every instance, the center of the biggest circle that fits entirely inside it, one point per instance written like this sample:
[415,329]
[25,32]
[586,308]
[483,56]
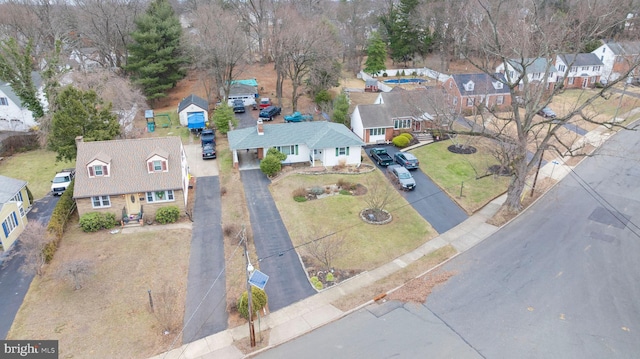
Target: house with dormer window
[131,178]
[466,92]
[579,70]
[538,71]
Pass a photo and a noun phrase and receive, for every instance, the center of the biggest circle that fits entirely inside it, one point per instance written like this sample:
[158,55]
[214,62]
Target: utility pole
[252,333]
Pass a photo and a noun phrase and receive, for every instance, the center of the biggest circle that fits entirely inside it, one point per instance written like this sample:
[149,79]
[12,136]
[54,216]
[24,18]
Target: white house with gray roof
[14,205]
[14,115]
[536,70]
[579,70]
[131,178]
[318,143]
[395,112]
[193,112]
[618,57]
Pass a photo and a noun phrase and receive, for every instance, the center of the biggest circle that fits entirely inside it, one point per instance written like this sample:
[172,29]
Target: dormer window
[498,85]
[157,165]
[469,86]
[98,170]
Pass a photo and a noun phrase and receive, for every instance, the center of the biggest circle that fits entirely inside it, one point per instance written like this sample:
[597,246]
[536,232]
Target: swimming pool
[404,81]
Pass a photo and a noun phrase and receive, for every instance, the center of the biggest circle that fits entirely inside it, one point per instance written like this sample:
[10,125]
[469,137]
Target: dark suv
[269,113]
[238,106]
[406,160]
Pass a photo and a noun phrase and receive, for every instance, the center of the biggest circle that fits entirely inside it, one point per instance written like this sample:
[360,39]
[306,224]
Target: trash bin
[151,126]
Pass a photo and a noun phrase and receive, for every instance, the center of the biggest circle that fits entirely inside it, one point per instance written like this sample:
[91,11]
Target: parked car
[298,117]
[63,179]
[402,177]
[406,160]
[209,150]
[269,113]
[265,102]
[546,112]
[238,106]
[380,156]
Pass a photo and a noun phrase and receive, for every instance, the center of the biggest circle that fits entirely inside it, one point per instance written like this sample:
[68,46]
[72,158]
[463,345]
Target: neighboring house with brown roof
[467,91]
[14,205]
[618,58]
[394,112]
[131,178]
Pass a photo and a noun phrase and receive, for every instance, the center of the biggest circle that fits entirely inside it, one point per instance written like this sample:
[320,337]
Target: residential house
[318,143]
[131,178]
[394,112]
[579,70]
[14,115]
[537,71]
[14,199]
[245,90]
[618,58]
[193,112]
[467,91]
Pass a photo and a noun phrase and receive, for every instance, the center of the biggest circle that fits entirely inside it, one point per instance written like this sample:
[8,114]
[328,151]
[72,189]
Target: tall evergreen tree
[16,67]
[156,60]
[80,113]
[407,36]
[376,55]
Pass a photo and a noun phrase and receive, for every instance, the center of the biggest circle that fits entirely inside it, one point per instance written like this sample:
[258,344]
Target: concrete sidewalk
[316,311]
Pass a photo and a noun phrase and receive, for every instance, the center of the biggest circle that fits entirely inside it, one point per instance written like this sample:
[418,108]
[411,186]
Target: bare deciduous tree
[378,196]
[166,309]
[325,249]
[76,271]
[33,241]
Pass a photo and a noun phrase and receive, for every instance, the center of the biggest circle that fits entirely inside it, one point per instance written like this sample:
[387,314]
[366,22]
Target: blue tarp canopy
[195,120]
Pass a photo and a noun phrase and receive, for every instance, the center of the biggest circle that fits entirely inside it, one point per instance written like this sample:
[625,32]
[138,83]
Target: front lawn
[366,246]
[36,167]
[460,173]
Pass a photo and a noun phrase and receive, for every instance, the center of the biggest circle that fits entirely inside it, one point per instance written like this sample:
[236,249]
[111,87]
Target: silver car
[403,177]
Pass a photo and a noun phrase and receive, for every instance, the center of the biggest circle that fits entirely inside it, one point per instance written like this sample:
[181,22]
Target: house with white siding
[579,70]
[618,57]
[14,115]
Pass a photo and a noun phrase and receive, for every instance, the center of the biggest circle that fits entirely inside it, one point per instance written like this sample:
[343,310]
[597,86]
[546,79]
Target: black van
[269,113]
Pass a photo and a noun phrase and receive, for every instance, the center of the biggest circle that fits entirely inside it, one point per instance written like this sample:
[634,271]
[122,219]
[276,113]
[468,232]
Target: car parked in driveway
[406,160]
[546,112]
[402,177]
[209,150]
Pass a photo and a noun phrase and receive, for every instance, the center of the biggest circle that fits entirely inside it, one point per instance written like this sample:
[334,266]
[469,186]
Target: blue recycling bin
[151,126]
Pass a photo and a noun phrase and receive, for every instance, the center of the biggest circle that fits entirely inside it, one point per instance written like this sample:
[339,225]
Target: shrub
[299,192]
[95,221]
[258,301]
[168,214]
[317,284]
[58,221]
[322,97]
[317,190]
[414,74]
[270,165]
[342,183]
[384,74]
[223,190]
[345,192]
[329,277]
[407,135]
[230,229]
[400,141]
[402,73]
[300,198]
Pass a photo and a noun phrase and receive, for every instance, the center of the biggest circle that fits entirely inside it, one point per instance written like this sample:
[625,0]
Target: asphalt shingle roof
[316,135]
[9,187]
[395,104]
[193,99]
[625,48]
[534,65]
[128,166]
[482,84]
[586,59]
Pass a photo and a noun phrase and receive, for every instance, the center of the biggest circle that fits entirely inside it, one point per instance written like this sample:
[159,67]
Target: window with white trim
[596,68]
[561,68]
[9,224]
[288,150]
[376,131]
[570,81]
[399,123]
[17,197]
[160,196]
[342,151]
[101,201]
[455,100]
[4,101]
[574,68]
[500,100]
[98,171]
[470,101]
[157,166]
[585,68]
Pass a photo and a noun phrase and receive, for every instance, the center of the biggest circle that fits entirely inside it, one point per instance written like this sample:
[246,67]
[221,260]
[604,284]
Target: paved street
[560,281]
[288,281]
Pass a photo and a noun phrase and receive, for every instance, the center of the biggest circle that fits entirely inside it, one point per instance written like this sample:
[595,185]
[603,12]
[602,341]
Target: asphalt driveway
[433,204]
[206,303]
[13,283]
[288,281]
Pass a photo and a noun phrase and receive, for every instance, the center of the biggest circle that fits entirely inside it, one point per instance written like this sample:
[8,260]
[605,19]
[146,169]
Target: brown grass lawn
[110,316]
[367,246]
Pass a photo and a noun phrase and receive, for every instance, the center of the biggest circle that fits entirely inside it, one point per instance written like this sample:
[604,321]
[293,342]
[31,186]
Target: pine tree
[80,113]
[155,57]
[16,67]
[222,116]
[340,110]
[376,55]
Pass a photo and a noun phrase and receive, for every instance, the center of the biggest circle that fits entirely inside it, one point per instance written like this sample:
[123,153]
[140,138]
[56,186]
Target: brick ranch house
[131,178]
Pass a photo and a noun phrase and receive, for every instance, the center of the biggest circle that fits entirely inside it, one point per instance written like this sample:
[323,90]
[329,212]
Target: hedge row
[58,221]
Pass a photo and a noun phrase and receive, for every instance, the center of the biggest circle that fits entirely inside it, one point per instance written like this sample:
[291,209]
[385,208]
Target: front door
[133,204]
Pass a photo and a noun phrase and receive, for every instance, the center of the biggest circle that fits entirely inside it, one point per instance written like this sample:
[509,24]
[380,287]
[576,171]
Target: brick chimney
[78,139]
[260,128]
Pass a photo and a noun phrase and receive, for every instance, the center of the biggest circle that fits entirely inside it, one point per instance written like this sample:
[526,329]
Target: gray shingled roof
[316,135]
[128,169]
[6,88]
[397,103]
[586,59]
[625,48]
[483,84]
[534,65]
[193,99]
[9,187]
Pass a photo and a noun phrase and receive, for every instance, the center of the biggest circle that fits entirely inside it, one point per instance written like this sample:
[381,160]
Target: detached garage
[193,112]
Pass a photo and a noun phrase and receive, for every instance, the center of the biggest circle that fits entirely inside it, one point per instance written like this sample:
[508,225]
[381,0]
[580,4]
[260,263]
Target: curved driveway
[432,203]
[288,281]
